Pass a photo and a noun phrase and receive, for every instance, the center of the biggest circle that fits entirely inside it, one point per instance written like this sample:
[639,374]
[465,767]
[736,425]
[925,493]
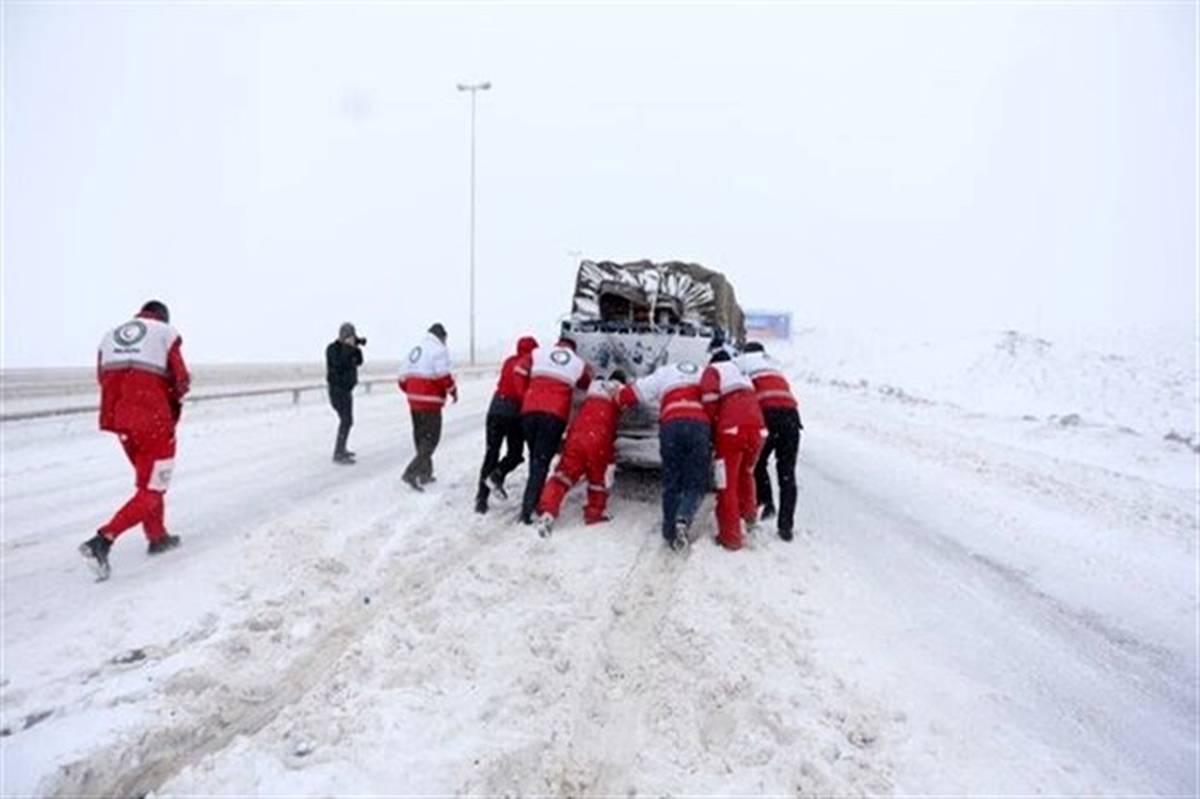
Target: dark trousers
[427,432]
[543,433]
[783,440]
[686,450]
[342,400]
[503,425]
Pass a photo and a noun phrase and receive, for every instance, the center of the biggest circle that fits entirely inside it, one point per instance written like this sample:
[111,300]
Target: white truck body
[637,316]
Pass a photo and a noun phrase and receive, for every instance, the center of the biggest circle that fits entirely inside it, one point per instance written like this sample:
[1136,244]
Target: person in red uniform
[426,380]
[504,424]
[738,433]
[589,449]
[143,380]
[554,375]
[684,443]
[781,412]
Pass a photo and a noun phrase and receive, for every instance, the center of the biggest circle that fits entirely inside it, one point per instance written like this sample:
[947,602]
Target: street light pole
[473,88]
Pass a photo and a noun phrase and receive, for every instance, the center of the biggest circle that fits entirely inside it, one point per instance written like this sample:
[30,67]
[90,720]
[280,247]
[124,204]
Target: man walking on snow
[426,380]
[732,406]
[781,412]
[504,423]
[554,375]
[684,441]
[342,359]
[143,380]
[589,450]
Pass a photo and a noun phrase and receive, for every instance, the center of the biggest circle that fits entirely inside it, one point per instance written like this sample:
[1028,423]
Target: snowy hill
[1144,382]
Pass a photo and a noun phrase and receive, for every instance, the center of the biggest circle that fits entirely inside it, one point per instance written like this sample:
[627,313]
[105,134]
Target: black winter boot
[496,482]
[95,552]
[160,545]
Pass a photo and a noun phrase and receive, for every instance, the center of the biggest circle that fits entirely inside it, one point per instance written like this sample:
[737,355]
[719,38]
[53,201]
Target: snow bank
[1143,381]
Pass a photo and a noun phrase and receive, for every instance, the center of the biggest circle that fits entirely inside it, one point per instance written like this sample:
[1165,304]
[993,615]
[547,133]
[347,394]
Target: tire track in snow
[698,684]
[254,491]
[229,710]
[605,737]
[226,709]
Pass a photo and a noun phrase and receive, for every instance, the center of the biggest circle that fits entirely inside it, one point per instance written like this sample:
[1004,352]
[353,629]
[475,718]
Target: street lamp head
[473,87]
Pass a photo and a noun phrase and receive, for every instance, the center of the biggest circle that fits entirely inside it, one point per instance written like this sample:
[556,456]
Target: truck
[640,315]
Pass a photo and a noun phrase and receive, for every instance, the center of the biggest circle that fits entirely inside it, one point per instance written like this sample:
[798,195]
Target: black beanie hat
[437,330]
[157,309]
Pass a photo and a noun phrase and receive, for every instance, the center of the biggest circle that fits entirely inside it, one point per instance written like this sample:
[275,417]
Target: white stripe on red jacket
[729,396]
[675,386]
[772,387]
[554,375]
[425,377]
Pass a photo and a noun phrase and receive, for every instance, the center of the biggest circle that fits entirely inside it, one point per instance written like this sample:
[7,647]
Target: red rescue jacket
[142,377]
[676,388]
[425,377]
[728,396]
[770,385]
[594,428]
[554,375]
[514,374]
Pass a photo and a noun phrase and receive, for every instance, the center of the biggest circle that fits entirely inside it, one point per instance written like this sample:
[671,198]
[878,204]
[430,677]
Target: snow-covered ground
[1139,380]
[994,592]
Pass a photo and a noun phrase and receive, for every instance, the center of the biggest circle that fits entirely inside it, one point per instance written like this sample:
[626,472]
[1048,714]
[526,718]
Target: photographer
[342,359]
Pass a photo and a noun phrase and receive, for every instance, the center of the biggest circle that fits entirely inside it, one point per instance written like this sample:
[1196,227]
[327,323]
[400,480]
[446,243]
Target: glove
[454,395]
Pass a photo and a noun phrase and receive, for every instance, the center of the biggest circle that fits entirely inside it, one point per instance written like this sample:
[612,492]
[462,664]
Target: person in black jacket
[342,359]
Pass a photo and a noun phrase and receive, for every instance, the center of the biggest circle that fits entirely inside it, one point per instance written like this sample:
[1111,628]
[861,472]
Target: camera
[362,341]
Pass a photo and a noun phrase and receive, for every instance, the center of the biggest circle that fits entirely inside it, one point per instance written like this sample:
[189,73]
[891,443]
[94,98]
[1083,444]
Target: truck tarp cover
[698,295]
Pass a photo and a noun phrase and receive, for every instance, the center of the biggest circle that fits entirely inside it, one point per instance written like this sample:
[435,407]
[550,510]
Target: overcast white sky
[271,170]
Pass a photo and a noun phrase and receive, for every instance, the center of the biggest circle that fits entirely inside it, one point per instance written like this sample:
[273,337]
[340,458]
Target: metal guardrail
[294,390]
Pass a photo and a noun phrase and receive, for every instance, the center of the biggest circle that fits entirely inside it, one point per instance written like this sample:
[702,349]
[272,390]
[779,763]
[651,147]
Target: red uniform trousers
[582,455]
[737,450]
[153,456]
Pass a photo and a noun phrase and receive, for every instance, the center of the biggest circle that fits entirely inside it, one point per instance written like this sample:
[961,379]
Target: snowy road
[977,605]
[1048,624]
